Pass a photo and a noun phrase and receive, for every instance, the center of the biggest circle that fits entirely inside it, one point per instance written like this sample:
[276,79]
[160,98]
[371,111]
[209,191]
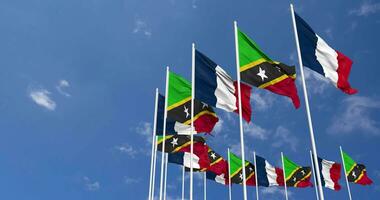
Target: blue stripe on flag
[205,79]
[308,44]
[261,173]
[320,169]
[176,158]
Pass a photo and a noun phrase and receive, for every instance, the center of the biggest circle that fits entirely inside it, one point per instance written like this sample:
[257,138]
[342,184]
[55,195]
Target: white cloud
[356,115]
[256,131]
[91,185]
[366,8]
[274,190]
[316,83]
[127,149]
[41,97]
[142,27]
[329,33]
[194,4]
[62,84]
[262,100]
[283,137]
[129,180]
[218,127]
[145,129]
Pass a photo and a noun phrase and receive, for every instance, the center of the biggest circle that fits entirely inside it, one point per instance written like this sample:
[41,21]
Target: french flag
[216,88]
[217,178]
[330,173]
[267,175]
[320,57]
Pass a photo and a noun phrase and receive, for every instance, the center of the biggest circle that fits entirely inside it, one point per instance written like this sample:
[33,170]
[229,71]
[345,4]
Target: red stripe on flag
[205,123]
[201,150]
[280,176]
[365,180]
[245,100]
[288,88]
[344,68]
[335,175]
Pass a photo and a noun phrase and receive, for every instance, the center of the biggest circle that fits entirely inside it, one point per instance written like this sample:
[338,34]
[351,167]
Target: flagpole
[204,186]
[183,182]
[256,178]
[315,180]
[154,167]
[192,117]
[283,169]
[153,144]
[345,175]
[229,175]
[166,174]
[240,112]
[313,145]
[164,132]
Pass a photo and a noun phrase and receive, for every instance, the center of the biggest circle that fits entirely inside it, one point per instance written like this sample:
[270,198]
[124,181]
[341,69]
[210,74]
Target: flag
[296,176]
[236,172]
[177,143]
[356,173]
[184,158]
[217,178]
[330,172]
[172,127]
[321,58]
[179,106]
[217,164]
[216,88]
[257,69]
[267,175]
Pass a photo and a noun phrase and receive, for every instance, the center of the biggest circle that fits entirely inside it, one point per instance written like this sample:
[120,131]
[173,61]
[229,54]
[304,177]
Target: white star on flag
[186,111]
[241,176]
[213,156]
[174,142]
[262,74]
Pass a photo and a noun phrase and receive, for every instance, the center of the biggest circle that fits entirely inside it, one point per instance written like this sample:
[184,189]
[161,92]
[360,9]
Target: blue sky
[77,88]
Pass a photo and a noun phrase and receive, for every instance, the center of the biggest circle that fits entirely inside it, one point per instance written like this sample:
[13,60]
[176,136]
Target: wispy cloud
[355,114]
[145,130]
[91,185]
[283,137]
[142,27]
[218,127]
[62,85]
[194,4]
[127,149]
[366,8]
[274,190]
[262,100]
[316,83]
[256,131]
[130,180]
[42,98]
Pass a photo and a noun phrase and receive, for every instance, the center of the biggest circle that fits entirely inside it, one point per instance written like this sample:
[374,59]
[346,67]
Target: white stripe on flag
[326,166]
[183,129]
[328,58]
[225,98]
[186,160]
[271,174]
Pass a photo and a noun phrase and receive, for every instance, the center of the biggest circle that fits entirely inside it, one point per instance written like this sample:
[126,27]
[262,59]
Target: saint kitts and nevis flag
[356,173]
[236,172]
[216,88]
[321,58]
[179,143]
[257,69]
[295,175]
[179,106]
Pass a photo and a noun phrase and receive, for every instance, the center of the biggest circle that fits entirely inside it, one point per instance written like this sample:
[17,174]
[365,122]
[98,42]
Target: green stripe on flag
[179,90]
[349,163]
[249,52]
[289,167]
[235,164]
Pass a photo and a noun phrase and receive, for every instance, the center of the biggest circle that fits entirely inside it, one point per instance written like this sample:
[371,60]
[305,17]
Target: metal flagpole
[154,166]
[192,117]
[256,178]
[345,175]
[314,148]
[229,177]
[240,112]
[183,182]
[283,169]
[204,186]
[153,146]
[164,132]
[166,174]
[315,180]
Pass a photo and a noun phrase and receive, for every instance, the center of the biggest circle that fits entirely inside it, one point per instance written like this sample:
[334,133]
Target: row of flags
[221,170]
[215,88]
